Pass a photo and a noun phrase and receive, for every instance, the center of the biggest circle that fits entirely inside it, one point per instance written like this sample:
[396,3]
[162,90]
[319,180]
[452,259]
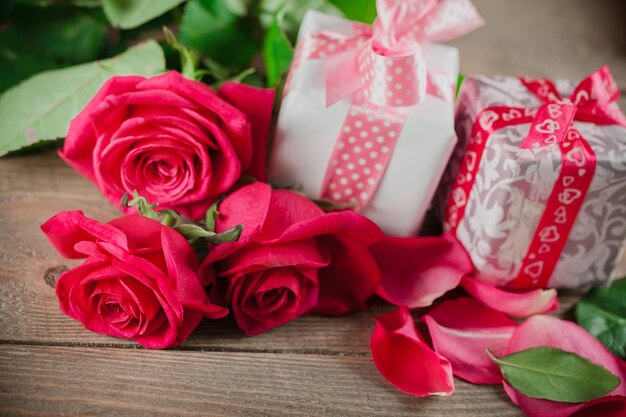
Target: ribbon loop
[393,81]
[394,41]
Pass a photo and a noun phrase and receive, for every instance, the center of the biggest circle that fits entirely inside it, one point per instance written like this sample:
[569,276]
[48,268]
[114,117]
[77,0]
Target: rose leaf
[130,14]
[40,108]
[556,375]
[361,10]
[603,314]
[277,53]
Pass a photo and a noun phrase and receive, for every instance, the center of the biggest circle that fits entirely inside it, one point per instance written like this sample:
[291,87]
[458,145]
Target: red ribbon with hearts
[551,124]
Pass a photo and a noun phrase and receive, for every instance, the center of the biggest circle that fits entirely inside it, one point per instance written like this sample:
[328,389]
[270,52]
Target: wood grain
[104,381]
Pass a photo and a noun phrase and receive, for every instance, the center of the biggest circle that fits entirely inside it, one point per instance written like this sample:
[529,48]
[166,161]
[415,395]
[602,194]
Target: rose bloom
[291,259]
[174,140]
[139,280]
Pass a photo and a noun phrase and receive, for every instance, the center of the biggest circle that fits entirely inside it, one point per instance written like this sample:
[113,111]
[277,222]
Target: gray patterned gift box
[512,186]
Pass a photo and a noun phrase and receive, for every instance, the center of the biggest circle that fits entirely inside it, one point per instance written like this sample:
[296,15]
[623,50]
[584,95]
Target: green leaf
[556,375]
[192,231]
[292,12]
[210,216]
[603,314]
[237,7]
[277,53]
[41,107]
[231,235]
[128,14]
[360,10]
[459,81]
[214,30]
[63,32]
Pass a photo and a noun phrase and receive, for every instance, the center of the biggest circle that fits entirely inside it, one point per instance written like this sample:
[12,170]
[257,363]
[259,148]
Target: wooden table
[49,365]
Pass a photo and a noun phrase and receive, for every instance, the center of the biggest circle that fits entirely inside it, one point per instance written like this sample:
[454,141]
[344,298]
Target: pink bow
[385,61]
[382,69]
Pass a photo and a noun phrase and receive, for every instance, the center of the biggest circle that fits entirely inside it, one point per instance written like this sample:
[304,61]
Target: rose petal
[81,139]
[233,120]
[67,228]
[248,206]
[461,331]
[257,104]
[543,330]
[254,257]
[417,271]
[403,358]
[142,231]
[299,293]
[516,304]
[182,263]
[287,208]
[349,280]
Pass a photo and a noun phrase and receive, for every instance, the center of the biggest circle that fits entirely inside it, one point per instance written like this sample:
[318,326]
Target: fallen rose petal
[405,360]
[550,331]
[417,271]
[516,304]
[461,331]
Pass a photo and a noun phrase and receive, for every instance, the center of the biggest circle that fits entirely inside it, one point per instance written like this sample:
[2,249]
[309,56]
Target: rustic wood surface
[49,365]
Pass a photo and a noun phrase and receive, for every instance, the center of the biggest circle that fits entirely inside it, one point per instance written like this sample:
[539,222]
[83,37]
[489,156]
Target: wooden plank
[556,39]
[28,307]
[86,381]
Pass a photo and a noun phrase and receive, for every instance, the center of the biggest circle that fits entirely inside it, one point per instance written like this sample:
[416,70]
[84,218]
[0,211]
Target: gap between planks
[183,348]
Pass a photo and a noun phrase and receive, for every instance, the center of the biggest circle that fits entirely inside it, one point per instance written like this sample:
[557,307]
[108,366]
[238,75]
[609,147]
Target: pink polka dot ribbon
[382,69]
[361,153]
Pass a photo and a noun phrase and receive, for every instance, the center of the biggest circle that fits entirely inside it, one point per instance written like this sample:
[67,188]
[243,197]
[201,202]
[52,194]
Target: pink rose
[174,140]
[291,259]
[139,280]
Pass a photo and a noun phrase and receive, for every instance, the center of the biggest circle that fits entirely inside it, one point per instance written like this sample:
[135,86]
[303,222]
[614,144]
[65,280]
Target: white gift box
[307,132]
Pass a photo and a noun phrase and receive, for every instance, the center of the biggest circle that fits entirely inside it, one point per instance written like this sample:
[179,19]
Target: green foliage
[219,33]
[556,375]
[291,13]
[128,14]
[250,41]
[41,107]
[65,33]
[211,216]
[603,314]
[194,232]
[19,59]
[360,10]
[277,53]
